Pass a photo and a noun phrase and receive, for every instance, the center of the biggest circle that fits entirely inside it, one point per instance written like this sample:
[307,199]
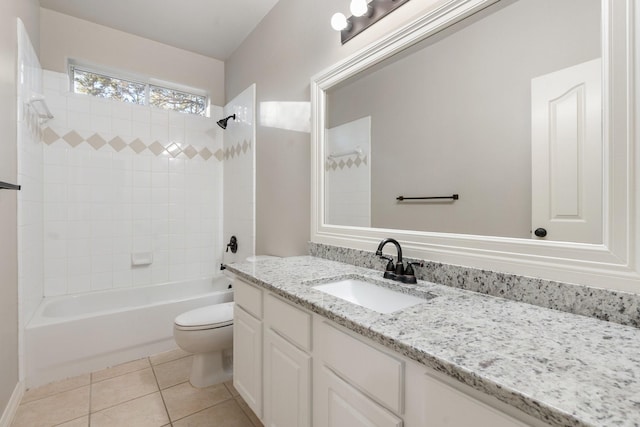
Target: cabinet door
[340,405]
[247,358]
[287,383]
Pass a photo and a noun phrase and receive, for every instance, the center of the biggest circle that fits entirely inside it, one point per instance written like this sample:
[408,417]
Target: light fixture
[359,7]
[339,22]
[363,16]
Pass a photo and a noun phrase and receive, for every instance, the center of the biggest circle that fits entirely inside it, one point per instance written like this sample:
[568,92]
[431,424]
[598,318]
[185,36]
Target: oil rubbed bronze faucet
[397,272]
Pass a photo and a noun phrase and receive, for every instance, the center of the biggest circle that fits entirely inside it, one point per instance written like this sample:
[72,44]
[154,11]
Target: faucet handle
[409,270]
[390,266]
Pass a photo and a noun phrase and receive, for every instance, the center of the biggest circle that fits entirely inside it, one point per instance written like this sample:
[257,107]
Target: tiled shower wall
[348,175]
[120,180]
[30,174]
[239,175]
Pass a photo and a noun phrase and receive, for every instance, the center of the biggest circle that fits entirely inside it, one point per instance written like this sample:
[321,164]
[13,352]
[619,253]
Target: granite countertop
[565,369]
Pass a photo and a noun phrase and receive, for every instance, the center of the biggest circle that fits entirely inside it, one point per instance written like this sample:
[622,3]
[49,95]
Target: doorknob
[540,232]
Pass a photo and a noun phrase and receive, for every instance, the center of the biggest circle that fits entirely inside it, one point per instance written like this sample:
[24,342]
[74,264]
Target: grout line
[22,402]
[161,394]
[119,375]
[124,401]
[169,361]
[213,406]
[90,394]
[247,411]
[134,398]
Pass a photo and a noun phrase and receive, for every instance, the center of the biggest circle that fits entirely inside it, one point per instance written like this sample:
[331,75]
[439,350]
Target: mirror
[503,109]
[606,257]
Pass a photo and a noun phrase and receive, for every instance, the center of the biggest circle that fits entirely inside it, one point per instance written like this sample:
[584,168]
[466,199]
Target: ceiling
[213,28]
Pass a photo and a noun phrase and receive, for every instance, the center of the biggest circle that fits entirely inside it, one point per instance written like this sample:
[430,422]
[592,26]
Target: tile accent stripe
[237,150]
[356,161]
[173,149]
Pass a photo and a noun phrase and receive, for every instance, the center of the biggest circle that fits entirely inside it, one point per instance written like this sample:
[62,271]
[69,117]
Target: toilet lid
[211,316]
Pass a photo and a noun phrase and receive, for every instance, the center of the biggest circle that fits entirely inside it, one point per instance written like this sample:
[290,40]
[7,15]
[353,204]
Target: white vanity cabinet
[273,370]
[287,364]
[298,369]
[355,384]
[247,344]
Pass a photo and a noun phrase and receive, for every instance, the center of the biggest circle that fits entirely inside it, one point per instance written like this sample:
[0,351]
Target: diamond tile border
[236,150]
[353,161]
[73,138]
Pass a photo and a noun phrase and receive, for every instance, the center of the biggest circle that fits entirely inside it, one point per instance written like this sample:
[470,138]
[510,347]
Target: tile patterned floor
[153,392]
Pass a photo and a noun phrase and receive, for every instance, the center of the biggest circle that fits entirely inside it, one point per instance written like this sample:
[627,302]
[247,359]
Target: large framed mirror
[492,134]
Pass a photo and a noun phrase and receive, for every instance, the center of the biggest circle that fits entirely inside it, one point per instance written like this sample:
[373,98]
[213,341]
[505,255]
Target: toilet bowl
[207,332]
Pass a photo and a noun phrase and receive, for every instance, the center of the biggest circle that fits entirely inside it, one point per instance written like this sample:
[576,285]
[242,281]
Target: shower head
[223,122]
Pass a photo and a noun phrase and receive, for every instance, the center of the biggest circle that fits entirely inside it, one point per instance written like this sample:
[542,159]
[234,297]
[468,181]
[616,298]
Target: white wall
[30,177]
[9,11]
[239,175]
[113,188]
[64,37]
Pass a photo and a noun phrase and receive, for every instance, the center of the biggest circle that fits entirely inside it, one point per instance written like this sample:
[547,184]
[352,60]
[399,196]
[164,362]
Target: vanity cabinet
[273,371]
[247,345]
[356,384]
[340,404]
[298,369]
[287,364]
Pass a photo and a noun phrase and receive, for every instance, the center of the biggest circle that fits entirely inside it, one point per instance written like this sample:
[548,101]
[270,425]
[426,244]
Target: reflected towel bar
[7,186]
[356,150]
[453,197]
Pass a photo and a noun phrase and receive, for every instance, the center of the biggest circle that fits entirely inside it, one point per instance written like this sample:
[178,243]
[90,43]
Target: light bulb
[338,22]
[358,7]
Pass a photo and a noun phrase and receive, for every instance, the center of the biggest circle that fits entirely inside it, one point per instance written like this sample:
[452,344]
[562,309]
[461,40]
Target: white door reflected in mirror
[566,153]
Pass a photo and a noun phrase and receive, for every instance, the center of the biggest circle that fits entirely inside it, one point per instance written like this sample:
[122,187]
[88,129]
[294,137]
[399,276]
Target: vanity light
[359,7]
[339,22]
[364,15]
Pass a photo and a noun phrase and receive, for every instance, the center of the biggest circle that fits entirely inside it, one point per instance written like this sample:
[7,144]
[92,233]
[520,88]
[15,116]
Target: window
[103,85]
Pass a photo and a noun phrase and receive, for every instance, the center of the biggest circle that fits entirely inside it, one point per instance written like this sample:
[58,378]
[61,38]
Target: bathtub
[76,334]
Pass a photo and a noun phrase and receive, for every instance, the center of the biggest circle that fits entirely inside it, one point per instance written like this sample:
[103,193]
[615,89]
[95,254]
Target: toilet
[207,332]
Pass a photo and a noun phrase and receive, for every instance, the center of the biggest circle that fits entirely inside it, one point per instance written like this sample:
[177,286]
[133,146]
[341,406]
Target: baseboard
[12,407]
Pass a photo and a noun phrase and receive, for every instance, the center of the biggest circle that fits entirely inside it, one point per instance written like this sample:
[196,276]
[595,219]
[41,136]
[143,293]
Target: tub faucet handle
[233,245]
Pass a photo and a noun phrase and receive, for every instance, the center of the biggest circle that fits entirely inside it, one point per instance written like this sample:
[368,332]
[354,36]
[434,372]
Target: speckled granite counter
[565,369]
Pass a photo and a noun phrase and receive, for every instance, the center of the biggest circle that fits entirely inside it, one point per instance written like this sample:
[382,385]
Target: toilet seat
[210,317]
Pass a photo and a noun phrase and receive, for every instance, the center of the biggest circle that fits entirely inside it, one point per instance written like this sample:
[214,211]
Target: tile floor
[153,391]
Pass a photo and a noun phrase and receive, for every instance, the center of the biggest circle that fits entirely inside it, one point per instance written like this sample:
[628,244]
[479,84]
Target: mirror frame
[613,264]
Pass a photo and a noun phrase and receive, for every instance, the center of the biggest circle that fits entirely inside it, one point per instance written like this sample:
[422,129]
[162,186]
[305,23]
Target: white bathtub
[76,334]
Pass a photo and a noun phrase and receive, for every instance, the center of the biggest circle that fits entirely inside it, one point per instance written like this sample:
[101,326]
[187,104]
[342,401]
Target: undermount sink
[372,296]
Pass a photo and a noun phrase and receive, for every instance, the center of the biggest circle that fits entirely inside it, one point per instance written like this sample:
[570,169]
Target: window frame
[148,82]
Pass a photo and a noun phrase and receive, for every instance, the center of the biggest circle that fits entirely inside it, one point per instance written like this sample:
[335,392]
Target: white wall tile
[79,103]
[122,278]
[159,133]
[102,280]
[121,127]
[100,107]
[100,206]
[141,130]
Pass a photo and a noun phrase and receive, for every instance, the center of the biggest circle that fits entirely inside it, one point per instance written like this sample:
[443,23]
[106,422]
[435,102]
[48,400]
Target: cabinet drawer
[248,297]
[378,374]
[288,321]
[446,406]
